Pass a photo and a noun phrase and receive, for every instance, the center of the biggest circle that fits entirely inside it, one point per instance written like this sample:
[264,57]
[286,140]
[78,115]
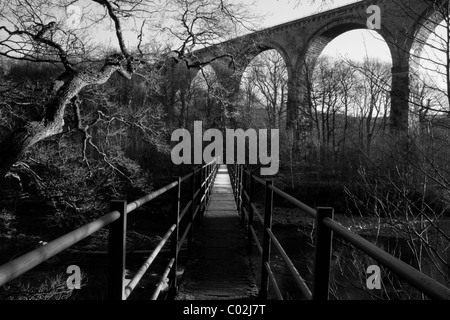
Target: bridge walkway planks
[219,267]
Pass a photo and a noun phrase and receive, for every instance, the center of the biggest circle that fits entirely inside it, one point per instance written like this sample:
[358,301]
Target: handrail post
[242,202]
[250,212]
[236,169]
[324,239]
[193,207]
[237,185]
[199,197]
[202,192]
[117,251]
[211,181]
[175,237]
[268,200]
[231,173]
[208,182]
[239,181]
[207,187]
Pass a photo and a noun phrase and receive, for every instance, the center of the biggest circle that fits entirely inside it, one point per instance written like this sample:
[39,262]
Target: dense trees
[41,31]
[346,107]
[266,80]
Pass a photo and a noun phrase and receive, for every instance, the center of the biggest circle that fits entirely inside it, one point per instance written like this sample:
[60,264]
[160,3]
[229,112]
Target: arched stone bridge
[405,26]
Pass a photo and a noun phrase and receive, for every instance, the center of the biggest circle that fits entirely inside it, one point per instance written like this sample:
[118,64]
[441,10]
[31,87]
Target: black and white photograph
[210,157]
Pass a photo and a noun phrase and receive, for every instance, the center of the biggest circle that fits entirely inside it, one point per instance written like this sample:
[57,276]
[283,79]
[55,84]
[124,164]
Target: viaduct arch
[405,25]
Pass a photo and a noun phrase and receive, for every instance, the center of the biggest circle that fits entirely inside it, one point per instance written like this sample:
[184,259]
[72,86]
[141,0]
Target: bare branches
[36,30]
[87,140]
[267,74]
[204,22]
[39,37]
[117,24]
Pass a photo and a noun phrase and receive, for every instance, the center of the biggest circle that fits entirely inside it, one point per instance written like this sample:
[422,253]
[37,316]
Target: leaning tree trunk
[66,88]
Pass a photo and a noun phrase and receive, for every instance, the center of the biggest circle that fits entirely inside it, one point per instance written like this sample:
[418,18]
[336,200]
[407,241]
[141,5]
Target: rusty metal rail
[201,180]
[243,182]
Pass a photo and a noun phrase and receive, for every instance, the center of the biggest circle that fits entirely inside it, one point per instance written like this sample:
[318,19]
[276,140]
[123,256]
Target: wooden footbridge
[220,267]
[221,210]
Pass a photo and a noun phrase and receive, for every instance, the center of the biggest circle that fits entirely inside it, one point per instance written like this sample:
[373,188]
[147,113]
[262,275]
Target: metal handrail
[185,210]
[15,268]
[143,269]
[294,272]
[255,210]
[255,238]
[163,279]
[304,207]
[417,279]
[140,202]
[273,281]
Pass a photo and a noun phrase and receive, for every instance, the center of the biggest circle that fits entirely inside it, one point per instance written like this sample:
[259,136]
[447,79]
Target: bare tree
[268,75]
[372,107]
[34,30]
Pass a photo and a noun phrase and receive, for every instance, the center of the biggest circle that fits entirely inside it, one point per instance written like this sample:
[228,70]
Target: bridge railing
[201,180]
[243,182]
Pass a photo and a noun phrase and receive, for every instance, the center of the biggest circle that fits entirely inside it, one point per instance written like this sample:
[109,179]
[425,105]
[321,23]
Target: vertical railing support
[208,181]
[268,200]
[175,237]
[231,173]
[250,212]
[243,190]
[199,197]
[211,181]
[202,192]
[238,187]
[193,207]
[117,251]
[324,239]
[235,173]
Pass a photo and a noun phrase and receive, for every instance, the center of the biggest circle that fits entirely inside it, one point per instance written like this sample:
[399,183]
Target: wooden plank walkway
[219,267]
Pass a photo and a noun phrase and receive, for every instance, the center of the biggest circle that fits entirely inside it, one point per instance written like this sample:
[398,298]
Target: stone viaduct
[405,25]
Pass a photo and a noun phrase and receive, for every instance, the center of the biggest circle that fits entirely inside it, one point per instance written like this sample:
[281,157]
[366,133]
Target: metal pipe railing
[326,227]
[143,269]
[294,272]
[140,202]
[255,237]
[163,280]
[273,281]
[256,211]
[28,261]
[297,203]
[116,220]
[419,280]
[185,210]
